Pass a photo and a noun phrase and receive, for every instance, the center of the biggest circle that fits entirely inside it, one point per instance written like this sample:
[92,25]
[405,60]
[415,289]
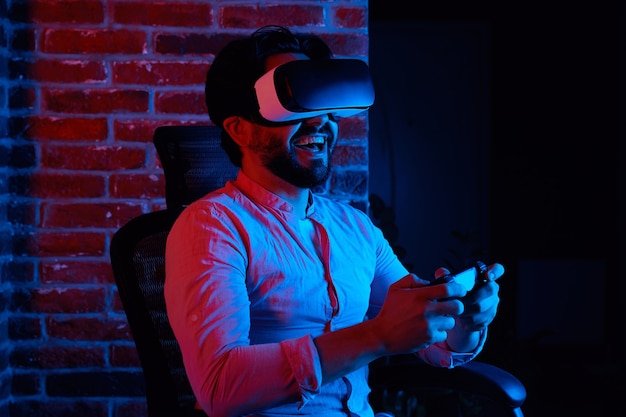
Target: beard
[284,163]
[286,166]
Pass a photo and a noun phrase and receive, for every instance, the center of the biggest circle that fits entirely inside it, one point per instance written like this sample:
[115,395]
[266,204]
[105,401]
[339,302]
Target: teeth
[310,140]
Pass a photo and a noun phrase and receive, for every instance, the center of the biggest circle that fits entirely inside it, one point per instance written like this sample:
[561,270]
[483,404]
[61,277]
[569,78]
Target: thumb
[441,272]
[494,271]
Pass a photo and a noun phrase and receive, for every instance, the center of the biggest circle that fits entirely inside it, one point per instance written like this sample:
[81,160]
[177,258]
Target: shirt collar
[264,197]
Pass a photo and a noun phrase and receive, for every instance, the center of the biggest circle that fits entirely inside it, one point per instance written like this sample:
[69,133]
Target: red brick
[66,128]
[68,11]
[24,328]
[297,15]
[180,102]
[162,13]
[87,328]
[140,130]
[22,98]
[124,355]
[187,43]
[77,257]
[143,45]
[348,44]
[47,243]
[49,406]
[95,101]
[93,41]
[21,154]
[108,214]
[23,39]
[116,303]
[67,300]
[22,211]
[68,71]
[239,16]
[137,186]
[355,127]
[77,272]
[349,156]
[349,183]
[65,185]
[167,73]
[93,157]
[56,357]
[253,16]
[19,270]
[130,408]
[351,17]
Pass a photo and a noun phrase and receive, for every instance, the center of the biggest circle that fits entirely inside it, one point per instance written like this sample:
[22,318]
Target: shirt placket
[332,292]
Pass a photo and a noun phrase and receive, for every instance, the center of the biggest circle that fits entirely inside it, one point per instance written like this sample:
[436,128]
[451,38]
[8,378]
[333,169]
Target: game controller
[469,278]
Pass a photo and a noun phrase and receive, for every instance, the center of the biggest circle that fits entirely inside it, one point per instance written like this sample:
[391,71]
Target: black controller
[469,278]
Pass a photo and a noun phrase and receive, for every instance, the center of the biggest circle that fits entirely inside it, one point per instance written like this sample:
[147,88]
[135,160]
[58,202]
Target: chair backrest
[138,260]
[193,164]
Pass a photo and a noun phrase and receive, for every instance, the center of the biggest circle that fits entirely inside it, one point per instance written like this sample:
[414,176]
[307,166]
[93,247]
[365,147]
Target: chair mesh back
[194,164]
[149,263]
[193,161]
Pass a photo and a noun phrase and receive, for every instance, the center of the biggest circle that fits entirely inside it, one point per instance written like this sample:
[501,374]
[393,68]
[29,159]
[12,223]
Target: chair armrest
[479,378]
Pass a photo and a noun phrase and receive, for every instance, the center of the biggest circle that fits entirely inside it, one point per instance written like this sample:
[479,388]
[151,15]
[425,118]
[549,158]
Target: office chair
[194,164]
[402,384]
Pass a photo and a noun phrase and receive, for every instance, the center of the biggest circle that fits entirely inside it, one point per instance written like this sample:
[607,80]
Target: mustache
[325,129]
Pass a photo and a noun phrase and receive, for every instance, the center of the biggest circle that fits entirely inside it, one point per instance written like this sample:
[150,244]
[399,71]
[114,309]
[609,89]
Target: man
[280,298]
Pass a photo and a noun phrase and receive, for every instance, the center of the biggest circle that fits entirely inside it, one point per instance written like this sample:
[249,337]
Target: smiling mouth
[311,143]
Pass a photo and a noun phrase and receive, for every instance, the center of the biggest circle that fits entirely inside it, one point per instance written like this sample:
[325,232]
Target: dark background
[548,200]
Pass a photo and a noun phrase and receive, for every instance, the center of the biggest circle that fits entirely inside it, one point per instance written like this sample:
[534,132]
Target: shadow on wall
[428,138]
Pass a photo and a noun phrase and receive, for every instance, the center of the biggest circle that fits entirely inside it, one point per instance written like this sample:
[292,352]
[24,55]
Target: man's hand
[414,316]
[480,307]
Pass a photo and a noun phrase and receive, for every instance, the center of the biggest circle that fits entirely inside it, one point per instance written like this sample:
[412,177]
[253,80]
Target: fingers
[437,292]
[480,307]
[439,327]
[494,271]
[444,291]
[482,298]
[441,272]
[413,316]
[450,307]
[478,321]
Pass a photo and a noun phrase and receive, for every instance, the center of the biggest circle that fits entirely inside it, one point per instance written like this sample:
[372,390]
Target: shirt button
[194,317]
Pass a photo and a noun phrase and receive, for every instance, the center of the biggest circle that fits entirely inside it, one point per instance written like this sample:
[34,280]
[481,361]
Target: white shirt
[249,286]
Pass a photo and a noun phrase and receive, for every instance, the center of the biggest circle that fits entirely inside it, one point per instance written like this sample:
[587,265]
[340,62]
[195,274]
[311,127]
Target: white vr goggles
[307,88]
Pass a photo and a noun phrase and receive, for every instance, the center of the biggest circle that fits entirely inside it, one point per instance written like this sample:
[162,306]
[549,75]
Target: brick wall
[83,85]
[5,226]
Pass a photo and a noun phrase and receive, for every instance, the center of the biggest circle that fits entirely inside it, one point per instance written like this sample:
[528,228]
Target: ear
[238,129]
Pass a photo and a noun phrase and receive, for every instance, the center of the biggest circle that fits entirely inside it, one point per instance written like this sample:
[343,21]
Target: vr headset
[307,88]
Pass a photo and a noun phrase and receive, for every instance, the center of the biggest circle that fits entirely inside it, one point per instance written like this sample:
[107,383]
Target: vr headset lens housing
[308,88]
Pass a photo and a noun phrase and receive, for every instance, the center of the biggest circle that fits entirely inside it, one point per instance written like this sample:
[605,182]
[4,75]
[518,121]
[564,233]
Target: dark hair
[229,87]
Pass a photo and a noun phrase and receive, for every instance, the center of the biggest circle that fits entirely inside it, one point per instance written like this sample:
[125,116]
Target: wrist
[463,341]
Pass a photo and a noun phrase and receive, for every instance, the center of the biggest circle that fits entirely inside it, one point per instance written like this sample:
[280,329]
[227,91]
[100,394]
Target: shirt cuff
[305,363]
[440,354]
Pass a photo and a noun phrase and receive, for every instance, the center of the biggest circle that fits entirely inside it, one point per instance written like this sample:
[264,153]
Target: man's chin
[310,181]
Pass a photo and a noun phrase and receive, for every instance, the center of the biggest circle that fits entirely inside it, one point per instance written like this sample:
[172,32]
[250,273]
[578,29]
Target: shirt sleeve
[308,372]
[209,311]
[389,269]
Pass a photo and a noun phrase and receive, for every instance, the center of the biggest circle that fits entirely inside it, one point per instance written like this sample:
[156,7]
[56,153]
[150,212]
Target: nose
[317,120]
